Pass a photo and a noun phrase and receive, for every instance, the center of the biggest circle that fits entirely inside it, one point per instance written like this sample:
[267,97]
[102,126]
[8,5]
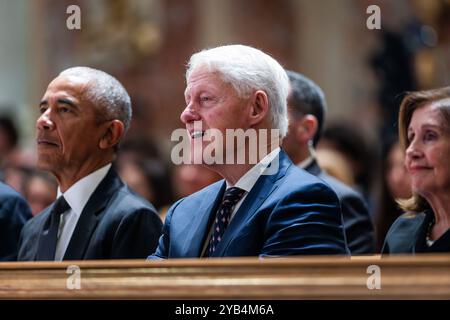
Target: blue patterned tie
[49,236]
[230,198]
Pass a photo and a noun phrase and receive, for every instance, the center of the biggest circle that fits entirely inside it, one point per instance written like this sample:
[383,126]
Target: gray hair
[106,93]
[248,69]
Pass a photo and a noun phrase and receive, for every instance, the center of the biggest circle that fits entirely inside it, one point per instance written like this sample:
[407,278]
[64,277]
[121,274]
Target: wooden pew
[402,277]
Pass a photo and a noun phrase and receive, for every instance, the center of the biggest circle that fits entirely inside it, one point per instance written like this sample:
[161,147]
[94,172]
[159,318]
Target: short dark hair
[9,129]
[306,97]
[107,94]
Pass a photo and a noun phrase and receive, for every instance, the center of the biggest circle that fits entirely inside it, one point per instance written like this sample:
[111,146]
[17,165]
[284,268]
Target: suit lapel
[198,228]
[264,186]
[91,215]
[43,227]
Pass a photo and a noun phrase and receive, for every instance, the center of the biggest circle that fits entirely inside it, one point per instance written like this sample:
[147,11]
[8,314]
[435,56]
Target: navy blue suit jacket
[14,213]
[287,213]
[115,224]
[408,235]
[357,221]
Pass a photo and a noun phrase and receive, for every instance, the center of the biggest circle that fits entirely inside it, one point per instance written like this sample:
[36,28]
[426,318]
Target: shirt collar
[248,180]
[305,163]
[78,194]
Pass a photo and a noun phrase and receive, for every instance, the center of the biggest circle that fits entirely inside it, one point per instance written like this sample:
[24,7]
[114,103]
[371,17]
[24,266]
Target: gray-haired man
[84,115]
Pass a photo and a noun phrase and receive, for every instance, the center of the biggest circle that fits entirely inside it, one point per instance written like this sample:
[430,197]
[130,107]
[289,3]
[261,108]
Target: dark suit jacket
[114,224]
[408,235]
[287,213]
[14,213]
[357,221]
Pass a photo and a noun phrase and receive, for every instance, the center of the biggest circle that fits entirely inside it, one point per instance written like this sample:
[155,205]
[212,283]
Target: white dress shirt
[246,182]
[76,196]
[305,163]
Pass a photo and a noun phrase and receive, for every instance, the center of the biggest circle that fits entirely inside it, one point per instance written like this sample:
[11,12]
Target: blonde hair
[410,103]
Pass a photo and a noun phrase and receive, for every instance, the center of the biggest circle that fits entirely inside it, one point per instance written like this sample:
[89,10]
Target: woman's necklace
[429,231]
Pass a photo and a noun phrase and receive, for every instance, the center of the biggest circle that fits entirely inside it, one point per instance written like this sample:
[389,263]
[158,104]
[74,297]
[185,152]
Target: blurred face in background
[40,193]
[428,151]
[190,178]
[397,177]
[136,179]
[5,144]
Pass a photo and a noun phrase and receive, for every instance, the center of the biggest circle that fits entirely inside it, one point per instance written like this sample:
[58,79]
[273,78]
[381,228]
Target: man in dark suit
[307,107]
[265,206]
[14,213]
[84,115]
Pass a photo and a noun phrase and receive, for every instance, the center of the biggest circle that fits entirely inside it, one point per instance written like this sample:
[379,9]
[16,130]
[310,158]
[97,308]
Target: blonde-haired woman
[424,130]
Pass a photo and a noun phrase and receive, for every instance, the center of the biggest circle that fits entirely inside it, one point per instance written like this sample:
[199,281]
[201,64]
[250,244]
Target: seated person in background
[395,185]
[334,164]
[84,115]
[307,107]
[191,178]
[265,206]
[39,190]
[8,141]
[359,153]
[424,131]
[146,174]
[14,212]
[15,162]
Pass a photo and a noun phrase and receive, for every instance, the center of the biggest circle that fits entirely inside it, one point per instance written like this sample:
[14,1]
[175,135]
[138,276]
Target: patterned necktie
[230,198]
[49,236]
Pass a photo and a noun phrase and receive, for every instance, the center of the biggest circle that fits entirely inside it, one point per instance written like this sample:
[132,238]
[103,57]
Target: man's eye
[42,110]
[63,110]
[205,98]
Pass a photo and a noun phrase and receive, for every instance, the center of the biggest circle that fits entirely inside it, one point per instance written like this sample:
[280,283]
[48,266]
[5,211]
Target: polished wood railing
[371,277]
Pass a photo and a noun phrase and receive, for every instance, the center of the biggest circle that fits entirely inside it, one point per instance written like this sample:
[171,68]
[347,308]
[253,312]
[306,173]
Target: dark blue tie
[49,236]
[230,198]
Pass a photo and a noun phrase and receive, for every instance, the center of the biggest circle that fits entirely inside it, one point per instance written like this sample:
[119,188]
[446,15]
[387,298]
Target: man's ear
[307,128]
[113,134]
[259,107]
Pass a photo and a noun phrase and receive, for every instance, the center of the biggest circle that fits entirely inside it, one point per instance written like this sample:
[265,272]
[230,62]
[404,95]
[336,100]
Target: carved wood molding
[402,277]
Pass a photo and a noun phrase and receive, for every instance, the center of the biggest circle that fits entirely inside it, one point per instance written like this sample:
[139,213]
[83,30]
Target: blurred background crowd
[145,44]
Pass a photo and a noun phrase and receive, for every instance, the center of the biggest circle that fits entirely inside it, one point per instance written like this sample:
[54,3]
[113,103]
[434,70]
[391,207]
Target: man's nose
[189,115]
[44,122]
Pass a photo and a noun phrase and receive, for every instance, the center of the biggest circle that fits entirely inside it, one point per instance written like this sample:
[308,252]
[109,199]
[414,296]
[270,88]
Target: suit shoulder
[8,193]
[126,200]
[406,224]
[300,175]
[299,179]
[409,219]
[13,205]
[341,189]
[403,233]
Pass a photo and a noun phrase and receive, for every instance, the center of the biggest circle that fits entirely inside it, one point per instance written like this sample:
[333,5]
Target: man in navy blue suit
[265,206]
[84,115]
[14,212]
[307,107]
